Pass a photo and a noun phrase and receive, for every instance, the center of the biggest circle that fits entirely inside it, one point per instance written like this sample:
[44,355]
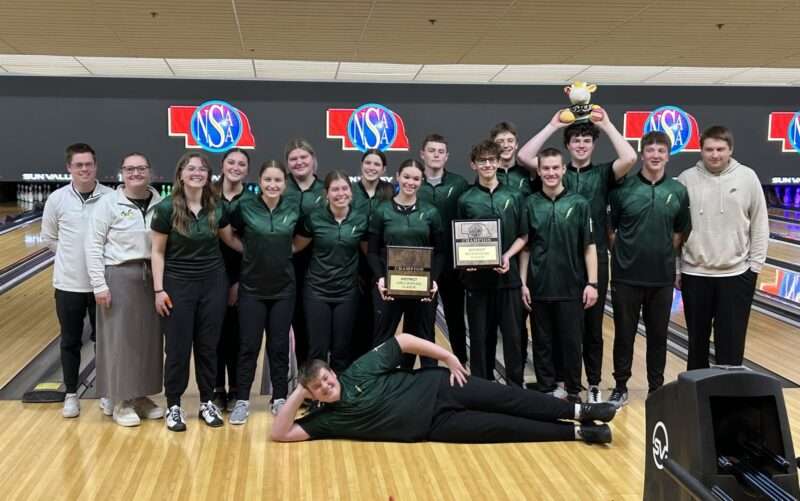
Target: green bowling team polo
[594,182]
[361,199]
[332,272]
[267,269]
[379,401]
[516,177]
[645,216]
[444,197]
[309,199]
[505,204]
[194,255]
[558,232]
[412,228]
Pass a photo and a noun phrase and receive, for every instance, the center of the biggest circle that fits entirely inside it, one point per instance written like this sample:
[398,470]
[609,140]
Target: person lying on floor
[374,400]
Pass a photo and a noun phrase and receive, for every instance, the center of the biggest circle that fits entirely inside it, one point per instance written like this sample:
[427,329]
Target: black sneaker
[595,433]
[618,398]
[604,411]
[175,418]
[211,415]
[220,399]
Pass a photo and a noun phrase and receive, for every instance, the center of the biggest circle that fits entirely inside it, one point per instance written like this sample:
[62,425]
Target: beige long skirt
[130,344]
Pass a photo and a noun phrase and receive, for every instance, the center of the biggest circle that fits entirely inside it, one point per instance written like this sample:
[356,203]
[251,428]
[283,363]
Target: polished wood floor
[20,243]
[784,251]
[787,213]
[784,229]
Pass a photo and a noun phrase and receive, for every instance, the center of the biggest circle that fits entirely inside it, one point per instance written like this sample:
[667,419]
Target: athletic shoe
[147,409]
[559,392]
[618,398]
[595,433]
[604,411]
[220,399]
[593,394]
[240,412]
[125,415]
[211,415]
[232,398]
[107,406]
[72,406]
[276,406]
[176,419]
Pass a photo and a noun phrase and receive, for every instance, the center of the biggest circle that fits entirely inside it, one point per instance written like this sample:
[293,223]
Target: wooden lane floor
[19,243]
[28,324]
[785,213]
[10,209]
[784,251]
[780,282]
[48,457]
[770,343]
[784,229]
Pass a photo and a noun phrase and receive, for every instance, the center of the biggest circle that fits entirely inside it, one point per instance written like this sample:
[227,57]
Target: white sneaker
[147,409]
[176,419]
[107,406]
[125,415]
[594,395]
[275,407]
[210,414]
[72,406]
[560,392]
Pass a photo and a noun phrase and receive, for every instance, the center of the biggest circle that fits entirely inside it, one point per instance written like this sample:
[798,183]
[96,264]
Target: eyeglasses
[139,169]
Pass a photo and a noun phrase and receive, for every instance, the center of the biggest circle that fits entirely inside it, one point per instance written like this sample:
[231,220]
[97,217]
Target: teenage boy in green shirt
[442,189]
[493,298]
[559,274]
[594,182]
[649,222]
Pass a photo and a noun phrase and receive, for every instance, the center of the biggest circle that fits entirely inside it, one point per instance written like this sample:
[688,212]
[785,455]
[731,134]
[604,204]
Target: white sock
[578,432]
[577,411]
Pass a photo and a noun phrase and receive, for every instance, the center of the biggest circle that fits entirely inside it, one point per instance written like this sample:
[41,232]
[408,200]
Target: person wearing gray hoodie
[726,250]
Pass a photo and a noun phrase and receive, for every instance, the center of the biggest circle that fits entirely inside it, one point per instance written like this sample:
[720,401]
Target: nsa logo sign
[214,126]
[370,126]
[784,126]
[680,126]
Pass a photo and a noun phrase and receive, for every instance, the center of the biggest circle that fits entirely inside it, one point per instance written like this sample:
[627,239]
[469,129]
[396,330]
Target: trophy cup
[580,95]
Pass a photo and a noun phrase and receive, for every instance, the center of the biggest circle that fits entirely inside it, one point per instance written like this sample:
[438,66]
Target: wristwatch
[592,284]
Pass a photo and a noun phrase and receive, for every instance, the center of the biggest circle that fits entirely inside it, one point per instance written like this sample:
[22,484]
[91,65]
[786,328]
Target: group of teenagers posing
[213,268]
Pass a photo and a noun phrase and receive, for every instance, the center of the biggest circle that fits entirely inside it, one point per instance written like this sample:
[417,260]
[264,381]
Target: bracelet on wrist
[592,284]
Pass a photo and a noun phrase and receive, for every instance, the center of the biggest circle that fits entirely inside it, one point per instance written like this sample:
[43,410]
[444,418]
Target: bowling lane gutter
[25,268]
[22,220]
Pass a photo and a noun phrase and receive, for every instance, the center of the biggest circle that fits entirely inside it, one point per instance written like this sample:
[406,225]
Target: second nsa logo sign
[370,126]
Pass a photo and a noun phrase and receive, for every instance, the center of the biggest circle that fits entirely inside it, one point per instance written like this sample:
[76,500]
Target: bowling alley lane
[784,229]
[785,213]
[19,243]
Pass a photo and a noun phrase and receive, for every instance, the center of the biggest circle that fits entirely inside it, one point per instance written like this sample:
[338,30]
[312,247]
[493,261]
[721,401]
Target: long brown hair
[180,211]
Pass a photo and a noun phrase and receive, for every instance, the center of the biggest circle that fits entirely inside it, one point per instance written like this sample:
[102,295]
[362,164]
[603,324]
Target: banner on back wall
[784,126]
[370,126]
[214,126]
[680,126]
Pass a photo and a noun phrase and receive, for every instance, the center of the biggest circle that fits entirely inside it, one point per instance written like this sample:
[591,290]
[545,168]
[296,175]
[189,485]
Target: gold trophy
[582,110]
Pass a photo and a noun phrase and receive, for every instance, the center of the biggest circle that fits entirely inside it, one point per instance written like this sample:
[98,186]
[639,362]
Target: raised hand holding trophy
[580,95]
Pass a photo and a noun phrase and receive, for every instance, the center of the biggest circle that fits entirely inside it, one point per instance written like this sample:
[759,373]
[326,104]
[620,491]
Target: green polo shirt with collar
[308,199]
[444,197]
[516,177]
[594,182]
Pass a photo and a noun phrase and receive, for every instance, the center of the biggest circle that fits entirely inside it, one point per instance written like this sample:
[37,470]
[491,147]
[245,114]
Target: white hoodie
[730,225]
[64,223]
[118,232]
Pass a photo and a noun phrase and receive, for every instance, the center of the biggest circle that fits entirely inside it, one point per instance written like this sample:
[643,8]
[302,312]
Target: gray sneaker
[107,406]
[618,398]
[240,412]
[72,406]
[276,406]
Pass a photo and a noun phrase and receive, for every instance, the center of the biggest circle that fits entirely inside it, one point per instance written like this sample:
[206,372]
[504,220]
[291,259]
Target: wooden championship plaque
[476,243]
[408,271]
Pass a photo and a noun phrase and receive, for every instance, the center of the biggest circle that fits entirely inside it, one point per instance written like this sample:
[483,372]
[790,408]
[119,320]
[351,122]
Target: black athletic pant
[655,304]
[71,309]
[195,322]
[330,326]
[451,292]
[488,309]
[256,315]
[228,349]
[418,319]
[300,262]
[724,304]
[485,412]
[364,328]
[557,323]
[593,328]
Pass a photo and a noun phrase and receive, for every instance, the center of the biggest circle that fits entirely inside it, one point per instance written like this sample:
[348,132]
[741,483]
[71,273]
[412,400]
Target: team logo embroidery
[680,126]
[784,126]
[214,126]
[370,126]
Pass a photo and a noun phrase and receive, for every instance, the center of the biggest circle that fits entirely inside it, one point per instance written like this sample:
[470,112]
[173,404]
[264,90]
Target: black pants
[451,292]
[71,309]
[557,323]
[256,315]
[486,412]
[300,262]
[488,309]
[724,304]
[330,326]
[654,303]
[194,322]
[418,319]
[228,349]
[593,328]
[364,328]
